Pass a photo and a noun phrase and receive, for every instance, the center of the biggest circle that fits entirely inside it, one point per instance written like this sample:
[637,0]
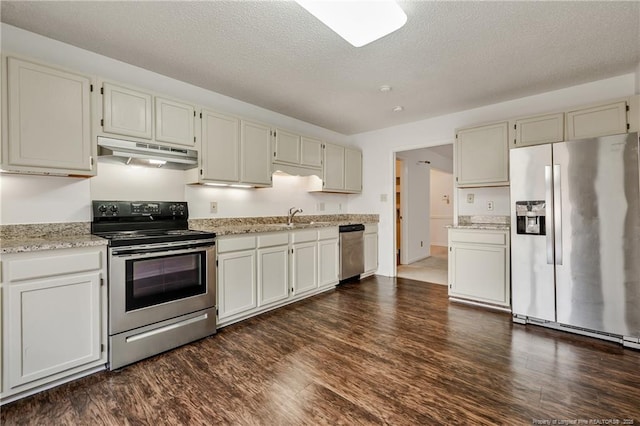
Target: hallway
[433,269]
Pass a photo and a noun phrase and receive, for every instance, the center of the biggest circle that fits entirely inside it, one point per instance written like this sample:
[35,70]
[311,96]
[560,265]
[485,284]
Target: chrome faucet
[292,212]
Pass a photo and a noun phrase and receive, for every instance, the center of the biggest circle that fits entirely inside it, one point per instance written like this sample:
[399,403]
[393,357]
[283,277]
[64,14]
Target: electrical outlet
[470,198]
[383,198]
[320,207]
[490,205]
[213,207]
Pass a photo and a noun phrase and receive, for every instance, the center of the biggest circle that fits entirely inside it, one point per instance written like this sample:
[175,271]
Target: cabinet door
[287,147]
[333,173]
[255,153]
[602,120]
[48,119]
[310,152]
[273,274]
[304,267]
[236,283]
[482,155]
[540,129]
[478,272]
[52,325]
[220,147]
[174,122]
[352,170]
[126,112]
[328,262]
[370,253]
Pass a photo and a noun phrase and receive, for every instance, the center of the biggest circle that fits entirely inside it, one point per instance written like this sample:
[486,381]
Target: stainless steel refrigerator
[575,236]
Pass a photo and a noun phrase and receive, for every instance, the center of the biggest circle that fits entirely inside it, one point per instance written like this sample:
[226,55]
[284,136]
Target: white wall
[481,196]
[379,146]
[38,199]
[441,211]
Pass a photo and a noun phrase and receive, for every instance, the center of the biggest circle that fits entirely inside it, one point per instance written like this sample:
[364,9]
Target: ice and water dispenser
[530,217]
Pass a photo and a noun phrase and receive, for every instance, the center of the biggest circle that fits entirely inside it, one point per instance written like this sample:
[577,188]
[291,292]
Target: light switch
[213,207]
[383,198]
[470,198]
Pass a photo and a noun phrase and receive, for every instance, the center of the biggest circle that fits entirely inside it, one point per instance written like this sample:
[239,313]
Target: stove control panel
[145,208]
[133,209]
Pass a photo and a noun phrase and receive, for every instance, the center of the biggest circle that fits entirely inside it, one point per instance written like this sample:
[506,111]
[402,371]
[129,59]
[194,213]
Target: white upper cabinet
[286,147]
[126,111]
[352,170]
[174,122]
[333,173]
[342,169]
[295,154]
[482,155]
[601,120]
[220,147]
[310,152]
[255,153]
[540,129]
[48,120]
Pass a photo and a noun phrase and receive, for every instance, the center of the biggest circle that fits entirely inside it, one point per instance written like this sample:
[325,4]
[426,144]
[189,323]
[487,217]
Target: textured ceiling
[450,56]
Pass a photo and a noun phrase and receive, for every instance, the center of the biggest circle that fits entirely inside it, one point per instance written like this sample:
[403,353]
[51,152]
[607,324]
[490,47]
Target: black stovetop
[143,222]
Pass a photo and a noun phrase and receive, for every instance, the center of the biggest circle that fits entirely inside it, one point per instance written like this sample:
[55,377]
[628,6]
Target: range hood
[146,154]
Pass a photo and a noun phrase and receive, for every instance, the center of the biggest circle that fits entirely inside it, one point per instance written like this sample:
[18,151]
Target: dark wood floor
[378,352]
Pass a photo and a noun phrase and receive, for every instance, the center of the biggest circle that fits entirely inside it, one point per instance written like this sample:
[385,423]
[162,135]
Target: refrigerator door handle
[548,212]
[557,213]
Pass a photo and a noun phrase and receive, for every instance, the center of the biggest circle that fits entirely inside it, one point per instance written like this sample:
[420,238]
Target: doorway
[424,207]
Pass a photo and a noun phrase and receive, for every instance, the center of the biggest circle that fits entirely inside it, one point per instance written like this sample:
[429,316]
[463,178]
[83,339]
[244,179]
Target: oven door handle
[131,251]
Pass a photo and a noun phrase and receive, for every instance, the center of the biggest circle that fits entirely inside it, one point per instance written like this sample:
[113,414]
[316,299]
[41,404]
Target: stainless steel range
[162,278]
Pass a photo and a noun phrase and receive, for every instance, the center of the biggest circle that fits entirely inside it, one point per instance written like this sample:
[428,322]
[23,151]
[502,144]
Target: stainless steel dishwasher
[351,251]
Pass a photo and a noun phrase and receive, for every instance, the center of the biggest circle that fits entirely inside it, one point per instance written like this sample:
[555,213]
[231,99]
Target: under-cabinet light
[155,162]
[358,21]
[216,184]
[240,186]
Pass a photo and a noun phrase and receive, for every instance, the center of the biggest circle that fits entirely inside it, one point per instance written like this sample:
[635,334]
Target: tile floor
[432,269]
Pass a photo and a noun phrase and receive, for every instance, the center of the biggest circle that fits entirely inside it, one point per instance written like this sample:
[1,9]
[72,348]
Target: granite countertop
[496,223]
[236,226]
[48,236]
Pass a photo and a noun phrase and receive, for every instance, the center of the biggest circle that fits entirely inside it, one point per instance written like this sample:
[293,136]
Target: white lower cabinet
[237,281]
[304,267]
[263,271]
[370,250]
[273,268]
[328,257]
[479,266]
[53,318]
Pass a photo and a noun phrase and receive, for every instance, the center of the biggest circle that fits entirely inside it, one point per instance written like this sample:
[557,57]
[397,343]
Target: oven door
[149,284]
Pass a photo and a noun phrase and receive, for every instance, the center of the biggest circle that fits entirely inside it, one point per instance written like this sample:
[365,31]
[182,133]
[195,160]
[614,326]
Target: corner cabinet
[59,102]
[479,267]
[482,155]
[53,317]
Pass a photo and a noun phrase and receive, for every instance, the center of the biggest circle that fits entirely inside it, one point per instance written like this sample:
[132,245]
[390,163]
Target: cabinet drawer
[270,240]
[304,236]
[328,233]
[38,264]
[458,236]
[235,244]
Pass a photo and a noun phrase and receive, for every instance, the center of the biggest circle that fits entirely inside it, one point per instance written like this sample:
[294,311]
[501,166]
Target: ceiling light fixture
[385,88]
[358,22]
[398,108]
